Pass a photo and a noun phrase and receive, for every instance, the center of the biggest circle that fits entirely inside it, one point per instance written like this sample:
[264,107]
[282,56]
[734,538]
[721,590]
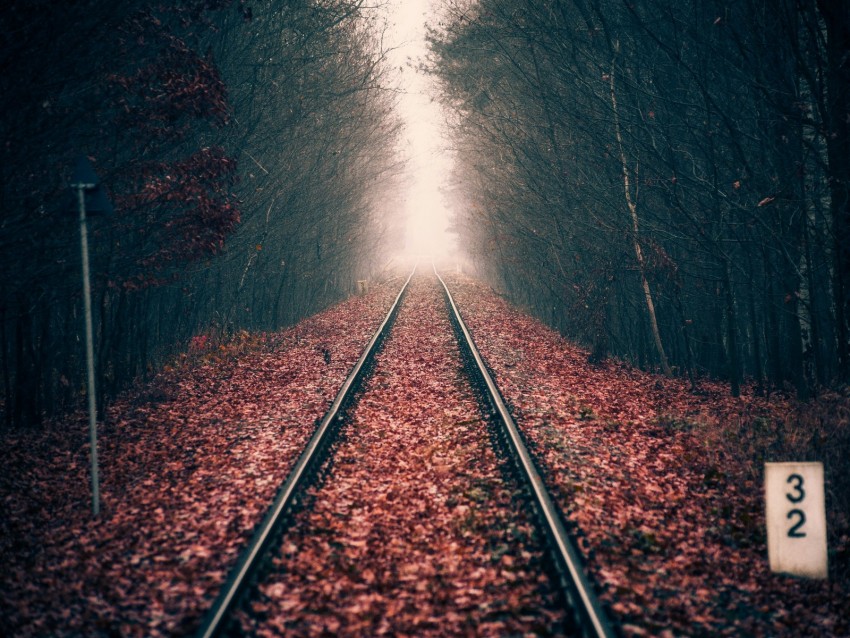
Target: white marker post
[796,519]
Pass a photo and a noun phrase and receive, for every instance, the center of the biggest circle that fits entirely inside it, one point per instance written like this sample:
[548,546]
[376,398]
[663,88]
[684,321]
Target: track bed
[413,529]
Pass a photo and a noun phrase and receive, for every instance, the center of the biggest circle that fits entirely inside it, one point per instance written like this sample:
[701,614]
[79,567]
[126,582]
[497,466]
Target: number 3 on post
[796,519]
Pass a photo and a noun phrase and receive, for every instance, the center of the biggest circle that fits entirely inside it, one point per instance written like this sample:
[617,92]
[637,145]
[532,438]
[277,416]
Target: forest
[614,402]
[663,181]
[248,150]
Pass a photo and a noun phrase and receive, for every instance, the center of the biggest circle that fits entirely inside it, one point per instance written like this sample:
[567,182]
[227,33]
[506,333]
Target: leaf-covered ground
[674,527]
[414,531]
[671,515]
[189,464]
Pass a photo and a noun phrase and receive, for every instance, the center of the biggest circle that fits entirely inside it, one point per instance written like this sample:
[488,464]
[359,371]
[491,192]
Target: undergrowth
[815,431]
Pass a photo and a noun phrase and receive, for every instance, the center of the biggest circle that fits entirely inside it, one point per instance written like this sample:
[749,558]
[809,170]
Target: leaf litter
[414,530]
[188,465]
[673,529]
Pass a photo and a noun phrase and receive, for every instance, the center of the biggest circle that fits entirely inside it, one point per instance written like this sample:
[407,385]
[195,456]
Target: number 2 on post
[795,532]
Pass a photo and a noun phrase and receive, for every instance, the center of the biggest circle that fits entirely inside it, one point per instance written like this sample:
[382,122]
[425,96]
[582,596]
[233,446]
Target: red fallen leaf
[289,604]
[766,201]
[331,624]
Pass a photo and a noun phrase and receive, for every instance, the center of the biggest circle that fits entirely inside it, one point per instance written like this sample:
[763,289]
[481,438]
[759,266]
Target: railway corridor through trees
[414,529]
[663,184]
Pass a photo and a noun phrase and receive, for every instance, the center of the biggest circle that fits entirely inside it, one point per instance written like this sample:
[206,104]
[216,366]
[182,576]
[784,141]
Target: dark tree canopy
[244,147]
[661,180]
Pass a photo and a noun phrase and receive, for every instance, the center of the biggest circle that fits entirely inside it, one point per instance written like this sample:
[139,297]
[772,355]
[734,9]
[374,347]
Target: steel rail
[215,621]
[579,590]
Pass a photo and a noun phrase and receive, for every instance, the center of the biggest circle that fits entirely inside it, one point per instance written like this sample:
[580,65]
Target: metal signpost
[91,196]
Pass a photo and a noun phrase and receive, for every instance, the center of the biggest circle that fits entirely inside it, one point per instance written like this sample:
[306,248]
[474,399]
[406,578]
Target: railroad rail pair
[576,588]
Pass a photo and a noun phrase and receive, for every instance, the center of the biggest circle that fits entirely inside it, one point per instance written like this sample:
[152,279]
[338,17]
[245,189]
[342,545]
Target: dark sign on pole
[96,201]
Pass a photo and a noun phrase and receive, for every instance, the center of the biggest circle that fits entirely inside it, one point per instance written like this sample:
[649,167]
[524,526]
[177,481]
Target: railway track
[484,528]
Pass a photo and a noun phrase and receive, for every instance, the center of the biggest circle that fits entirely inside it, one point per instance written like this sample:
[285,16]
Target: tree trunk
[731,332]
[7,379]
[774,356]
[686,340]
[758,369]
[276,318]
[792,330]
[24,404]
[836,15]
[816,340]
[631,203]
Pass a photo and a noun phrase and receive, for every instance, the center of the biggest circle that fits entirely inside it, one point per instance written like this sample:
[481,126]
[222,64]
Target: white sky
[430,164]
